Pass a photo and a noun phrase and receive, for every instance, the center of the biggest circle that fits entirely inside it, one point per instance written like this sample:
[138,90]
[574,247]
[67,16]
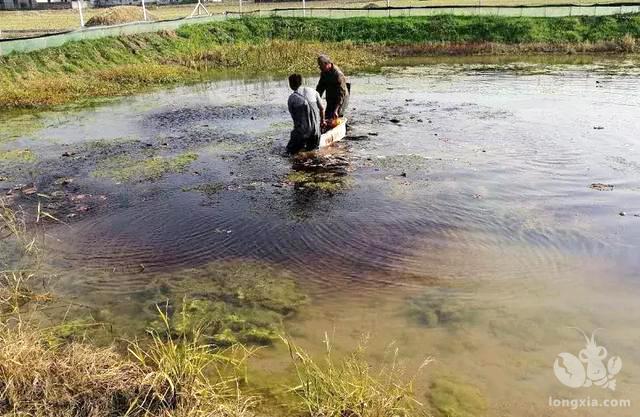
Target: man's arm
[320,106]
[344,91]
[322,86]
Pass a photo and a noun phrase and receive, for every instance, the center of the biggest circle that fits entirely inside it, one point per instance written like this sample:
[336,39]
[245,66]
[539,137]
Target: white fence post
[80,11]
[304,8]
[144,11]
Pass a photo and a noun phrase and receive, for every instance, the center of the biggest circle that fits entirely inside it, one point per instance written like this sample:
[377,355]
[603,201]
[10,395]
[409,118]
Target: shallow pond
[474,215]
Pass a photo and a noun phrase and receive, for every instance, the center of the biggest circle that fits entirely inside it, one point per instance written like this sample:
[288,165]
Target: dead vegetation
[118,15]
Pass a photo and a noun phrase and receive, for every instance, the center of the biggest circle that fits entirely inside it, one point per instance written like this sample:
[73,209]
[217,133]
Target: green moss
[326,181]
[18,155]
[451,398]
[125,169]
[71,330]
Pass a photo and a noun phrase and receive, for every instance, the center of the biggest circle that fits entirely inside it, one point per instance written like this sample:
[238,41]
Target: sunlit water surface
[473,181]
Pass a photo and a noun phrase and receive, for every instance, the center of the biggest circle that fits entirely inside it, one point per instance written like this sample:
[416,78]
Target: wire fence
[28,25]
[512,11]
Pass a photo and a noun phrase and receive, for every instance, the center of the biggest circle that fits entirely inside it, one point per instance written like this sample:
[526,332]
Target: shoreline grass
[128,64]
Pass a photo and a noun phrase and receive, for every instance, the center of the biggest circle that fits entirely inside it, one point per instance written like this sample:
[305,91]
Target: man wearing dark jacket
[333,82]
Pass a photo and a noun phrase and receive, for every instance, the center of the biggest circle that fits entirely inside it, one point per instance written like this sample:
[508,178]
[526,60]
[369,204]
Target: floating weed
[409,161]
[18,155]
[126,169]
[326,181]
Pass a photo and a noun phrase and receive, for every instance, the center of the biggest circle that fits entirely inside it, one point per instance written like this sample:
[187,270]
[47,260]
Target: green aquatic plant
[224,324]
[452,398]
[352,386]
[126,169]
[231,302]
[326,181]
[53,371]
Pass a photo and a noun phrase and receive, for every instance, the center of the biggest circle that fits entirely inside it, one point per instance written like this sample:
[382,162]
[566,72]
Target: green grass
[351,386]
[128,64]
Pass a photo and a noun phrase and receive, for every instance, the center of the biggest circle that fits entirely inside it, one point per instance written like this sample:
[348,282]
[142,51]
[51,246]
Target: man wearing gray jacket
[307,111]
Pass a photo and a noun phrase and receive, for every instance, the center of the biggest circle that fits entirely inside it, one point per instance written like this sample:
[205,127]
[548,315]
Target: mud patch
[189,116]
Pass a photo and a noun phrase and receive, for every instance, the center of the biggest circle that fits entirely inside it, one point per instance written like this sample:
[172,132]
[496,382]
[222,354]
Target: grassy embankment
[123,65]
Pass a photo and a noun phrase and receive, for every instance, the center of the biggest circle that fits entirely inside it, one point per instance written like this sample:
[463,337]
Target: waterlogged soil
[475,213]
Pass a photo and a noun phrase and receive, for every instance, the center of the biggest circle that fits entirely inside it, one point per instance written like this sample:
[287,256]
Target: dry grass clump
[351,387]
[191,378]
[118,15]
[67,380]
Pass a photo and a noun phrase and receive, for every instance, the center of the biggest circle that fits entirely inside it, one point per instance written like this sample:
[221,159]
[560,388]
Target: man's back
[334,83]
[304,106]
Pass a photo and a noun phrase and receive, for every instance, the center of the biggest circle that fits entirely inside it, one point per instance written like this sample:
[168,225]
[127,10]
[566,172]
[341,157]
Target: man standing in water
[333,81]
[307,111]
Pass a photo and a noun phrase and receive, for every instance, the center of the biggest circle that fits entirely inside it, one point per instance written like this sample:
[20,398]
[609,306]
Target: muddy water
[459,220]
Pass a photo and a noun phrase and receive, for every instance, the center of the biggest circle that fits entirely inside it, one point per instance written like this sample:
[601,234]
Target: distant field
[12,23]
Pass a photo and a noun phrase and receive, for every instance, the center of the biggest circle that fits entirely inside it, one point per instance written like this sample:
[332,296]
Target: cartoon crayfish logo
[588,367]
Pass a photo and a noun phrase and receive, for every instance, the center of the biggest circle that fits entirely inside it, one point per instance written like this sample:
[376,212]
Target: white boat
[334,135]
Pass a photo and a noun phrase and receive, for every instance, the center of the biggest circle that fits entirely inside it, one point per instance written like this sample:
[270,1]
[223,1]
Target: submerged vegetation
[452,398]
[180,369]
[439,308]
[126,64]
[231,302]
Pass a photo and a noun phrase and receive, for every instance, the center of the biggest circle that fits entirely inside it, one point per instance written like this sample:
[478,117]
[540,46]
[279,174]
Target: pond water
[473,216]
